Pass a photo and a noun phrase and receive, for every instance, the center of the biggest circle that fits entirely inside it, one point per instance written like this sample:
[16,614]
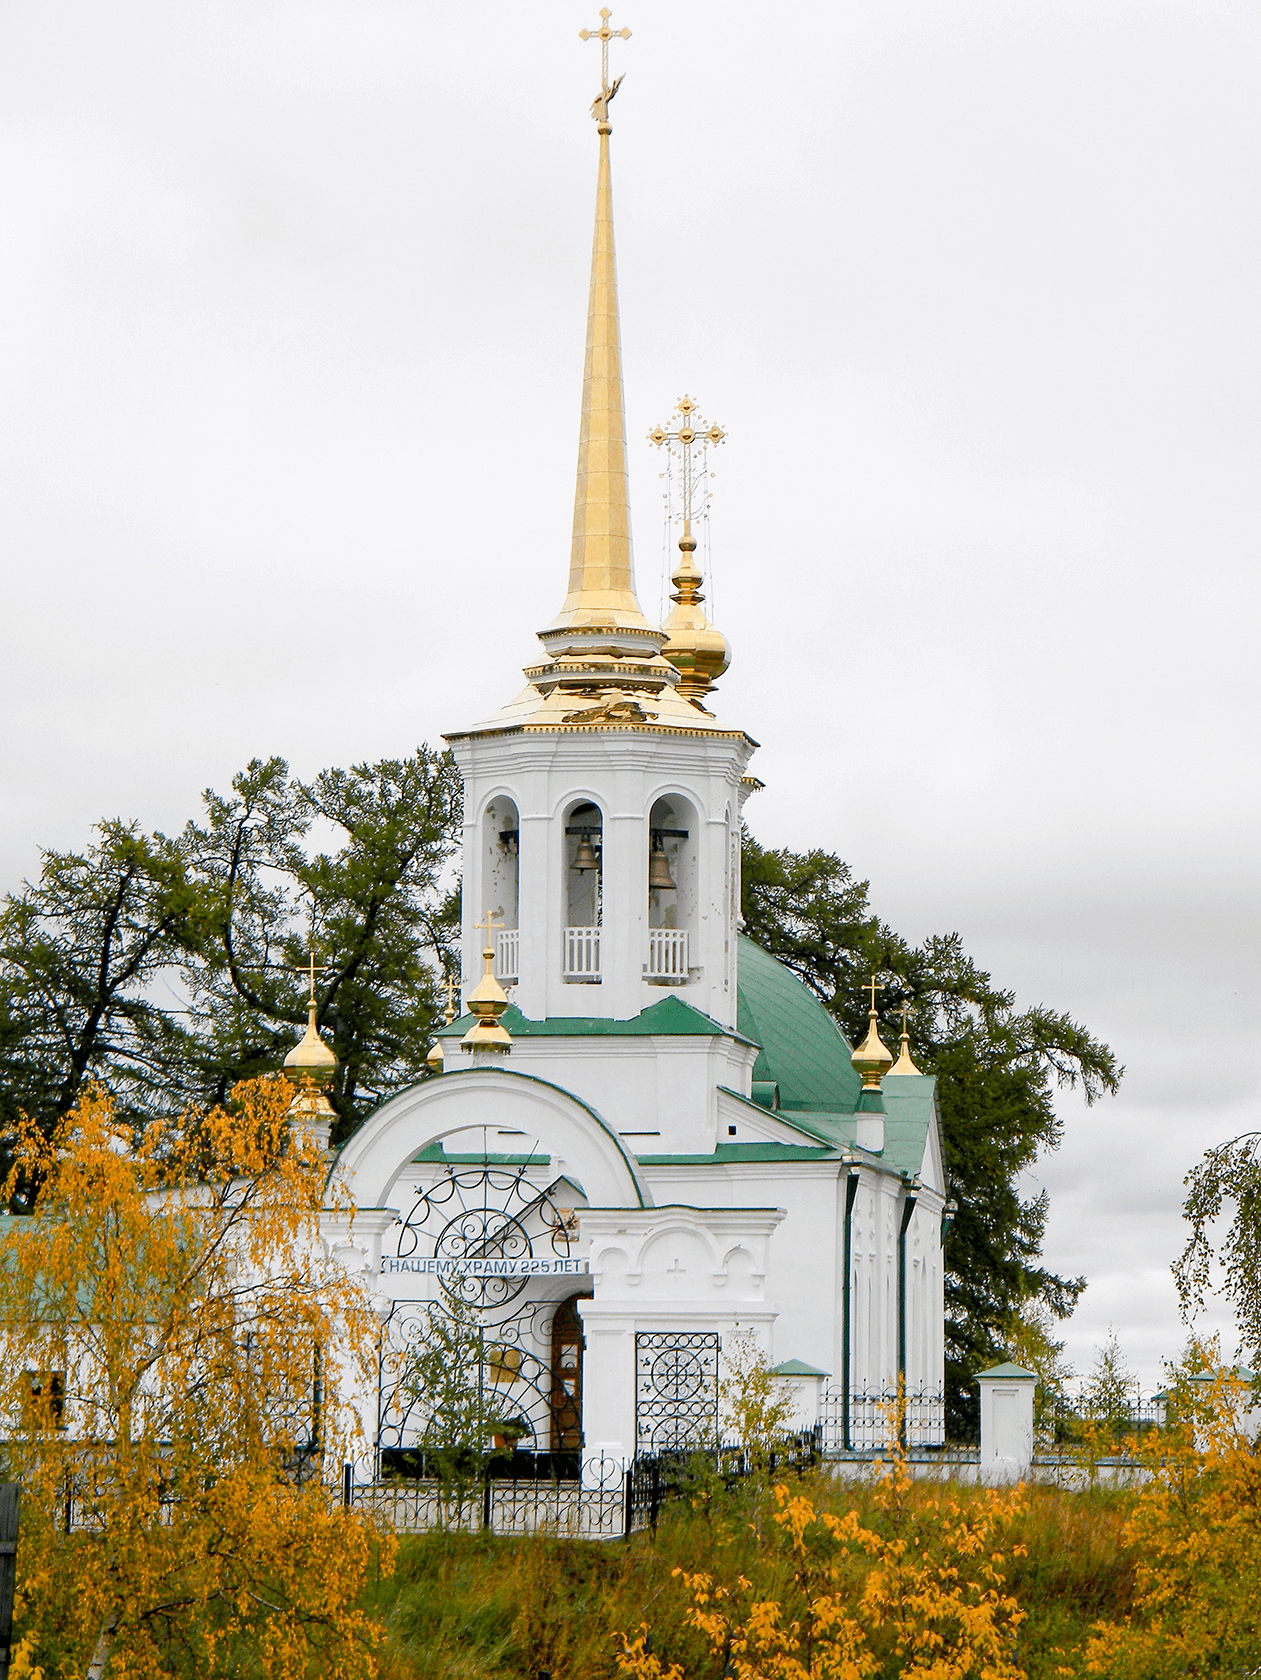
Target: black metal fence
[863,1421]
[602,1499]
[1073,1421]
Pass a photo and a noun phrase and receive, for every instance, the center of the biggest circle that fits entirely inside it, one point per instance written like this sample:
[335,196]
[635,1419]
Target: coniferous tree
[997,1069]
[170,969]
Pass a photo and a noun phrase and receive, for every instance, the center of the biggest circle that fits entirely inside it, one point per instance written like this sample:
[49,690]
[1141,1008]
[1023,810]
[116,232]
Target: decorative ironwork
[676,1389]
[485,1213]
[516,1364]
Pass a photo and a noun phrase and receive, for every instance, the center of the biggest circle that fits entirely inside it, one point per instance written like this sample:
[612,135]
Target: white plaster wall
[803,1264]
[665,1268]
[624,773]
[661,1092]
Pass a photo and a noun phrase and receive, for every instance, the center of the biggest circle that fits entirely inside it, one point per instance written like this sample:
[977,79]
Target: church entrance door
[567,1345]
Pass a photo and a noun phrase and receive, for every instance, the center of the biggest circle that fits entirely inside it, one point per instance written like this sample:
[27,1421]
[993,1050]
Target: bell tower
[602,806]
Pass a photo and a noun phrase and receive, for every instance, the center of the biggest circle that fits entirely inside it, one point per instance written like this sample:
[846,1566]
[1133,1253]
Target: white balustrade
[508,954]
[582,953]
[667,954]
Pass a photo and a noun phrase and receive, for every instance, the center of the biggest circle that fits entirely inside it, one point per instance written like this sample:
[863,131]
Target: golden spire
[872,1059]
[601,611]
[698,651]
[904,1064]
[311,1065]
[487,1001]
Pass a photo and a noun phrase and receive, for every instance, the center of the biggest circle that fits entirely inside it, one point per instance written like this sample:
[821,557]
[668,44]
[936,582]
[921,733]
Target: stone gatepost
[1006,1422]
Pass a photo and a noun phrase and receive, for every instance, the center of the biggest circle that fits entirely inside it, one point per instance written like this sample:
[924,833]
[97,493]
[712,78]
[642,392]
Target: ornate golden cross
[873,986]
[490,924]
[687,434]
[600,106]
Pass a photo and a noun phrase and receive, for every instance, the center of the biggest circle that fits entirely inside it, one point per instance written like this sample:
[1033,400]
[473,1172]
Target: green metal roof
[436,1154]
[798,1368]
[731,1154]
[1010,1371]
[803,1049]
[671,1018]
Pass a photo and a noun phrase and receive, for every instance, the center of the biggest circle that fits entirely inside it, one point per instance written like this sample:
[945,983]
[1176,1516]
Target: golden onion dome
[872,1058]
[487,1002]
[697,651]
[311,1059]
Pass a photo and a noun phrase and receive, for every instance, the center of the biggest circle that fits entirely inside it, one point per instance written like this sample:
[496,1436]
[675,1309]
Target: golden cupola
[872,1060]
[904,1064]
[693,646]
[698,651]
[311,1066]
[486,1003]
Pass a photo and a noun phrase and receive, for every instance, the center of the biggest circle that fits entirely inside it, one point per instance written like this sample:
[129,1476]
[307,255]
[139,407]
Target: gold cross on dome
[600,106]
[491,925]
[873,986]
[687,434]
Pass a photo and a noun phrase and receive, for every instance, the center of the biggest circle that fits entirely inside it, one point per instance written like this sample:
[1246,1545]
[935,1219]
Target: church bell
[659,869]
[584,857]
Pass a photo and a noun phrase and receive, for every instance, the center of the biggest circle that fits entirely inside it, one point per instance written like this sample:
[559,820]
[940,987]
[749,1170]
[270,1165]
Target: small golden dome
[872,1058]
[434,1060]
[697,651]
[904,1064]
[311,1059]
[487,1001]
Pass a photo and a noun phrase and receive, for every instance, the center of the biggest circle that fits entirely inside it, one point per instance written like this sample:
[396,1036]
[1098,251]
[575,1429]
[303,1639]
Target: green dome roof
[803,1049]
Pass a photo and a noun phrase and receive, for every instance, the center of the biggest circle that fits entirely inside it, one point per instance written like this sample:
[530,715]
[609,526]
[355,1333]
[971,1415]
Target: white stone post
[1006,1422]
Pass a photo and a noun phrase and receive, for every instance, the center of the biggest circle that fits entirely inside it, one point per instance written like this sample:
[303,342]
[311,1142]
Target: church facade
[644,1141]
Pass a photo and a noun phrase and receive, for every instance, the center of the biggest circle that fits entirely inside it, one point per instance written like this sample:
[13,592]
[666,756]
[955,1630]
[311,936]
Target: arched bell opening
[501,883]
[584,864]
[672,890]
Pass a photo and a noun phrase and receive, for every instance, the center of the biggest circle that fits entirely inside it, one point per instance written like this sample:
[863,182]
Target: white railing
[508,954]
[582,953]
[667,954]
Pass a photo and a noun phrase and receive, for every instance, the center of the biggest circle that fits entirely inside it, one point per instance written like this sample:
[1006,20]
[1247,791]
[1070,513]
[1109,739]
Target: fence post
[1006,1422]
[628,1501]
[486,1506]
[346,1484]
[10,1494]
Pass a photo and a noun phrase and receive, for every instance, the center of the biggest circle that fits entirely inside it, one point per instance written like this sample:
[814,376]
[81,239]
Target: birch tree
[170,1337]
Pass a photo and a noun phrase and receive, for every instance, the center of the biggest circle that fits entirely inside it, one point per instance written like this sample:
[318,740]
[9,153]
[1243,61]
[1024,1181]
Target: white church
[645,1139]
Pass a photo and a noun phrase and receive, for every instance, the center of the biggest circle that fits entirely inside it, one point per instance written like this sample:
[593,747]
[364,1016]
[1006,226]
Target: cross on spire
[687,431]
[600,105]
[873,986]
[491,925]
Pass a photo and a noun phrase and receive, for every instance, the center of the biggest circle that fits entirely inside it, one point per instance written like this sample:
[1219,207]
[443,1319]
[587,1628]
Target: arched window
[500,884]
[584,863]
[672,890]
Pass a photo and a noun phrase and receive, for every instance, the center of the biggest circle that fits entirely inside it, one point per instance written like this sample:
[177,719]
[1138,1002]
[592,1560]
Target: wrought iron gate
[676,1389]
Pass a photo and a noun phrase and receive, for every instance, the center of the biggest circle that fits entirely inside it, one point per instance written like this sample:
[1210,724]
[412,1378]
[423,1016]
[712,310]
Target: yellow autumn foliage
[1196,1532]
[172,1339]
[920,1594]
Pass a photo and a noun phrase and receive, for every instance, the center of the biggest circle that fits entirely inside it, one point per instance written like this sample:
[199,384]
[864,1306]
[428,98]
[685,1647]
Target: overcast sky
[293,299]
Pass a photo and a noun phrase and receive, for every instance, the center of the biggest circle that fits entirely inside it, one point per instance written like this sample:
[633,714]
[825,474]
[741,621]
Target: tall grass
[472,1607]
